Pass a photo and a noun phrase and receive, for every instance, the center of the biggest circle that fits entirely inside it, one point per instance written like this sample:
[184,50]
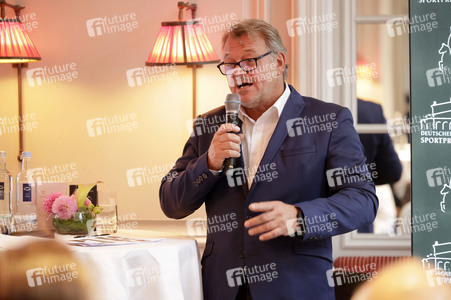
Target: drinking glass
[107,220]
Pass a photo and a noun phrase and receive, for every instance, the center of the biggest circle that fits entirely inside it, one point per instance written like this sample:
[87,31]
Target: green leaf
[97,210]
[82,193]
[74,226]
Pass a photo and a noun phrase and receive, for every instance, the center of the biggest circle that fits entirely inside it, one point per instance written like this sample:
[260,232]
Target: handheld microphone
[232,105]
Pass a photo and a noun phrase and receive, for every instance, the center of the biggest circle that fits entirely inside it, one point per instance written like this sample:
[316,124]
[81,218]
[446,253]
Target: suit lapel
[293,109]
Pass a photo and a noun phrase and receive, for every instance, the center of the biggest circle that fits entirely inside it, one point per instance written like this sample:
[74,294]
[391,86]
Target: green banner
[430,69]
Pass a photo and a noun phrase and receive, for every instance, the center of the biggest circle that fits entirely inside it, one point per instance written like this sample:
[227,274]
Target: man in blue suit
[378,150]
[301,178]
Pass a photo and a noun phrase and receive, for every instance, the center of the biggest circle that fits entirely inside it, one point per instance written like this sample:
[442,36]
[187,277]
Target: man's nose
[236,71]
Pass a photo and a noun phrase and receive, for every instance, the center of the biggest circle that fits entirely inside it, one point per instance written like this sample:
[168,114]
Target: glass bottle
[6,183]
[26,207]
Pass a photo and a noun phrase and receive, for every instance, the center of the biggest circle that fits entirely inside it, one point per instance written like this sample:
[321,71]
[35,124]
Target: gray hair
[254,28]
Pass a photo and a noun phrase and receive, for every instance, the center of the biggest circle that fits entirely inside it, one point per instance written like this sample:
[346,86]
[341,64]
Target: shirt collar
[279,104]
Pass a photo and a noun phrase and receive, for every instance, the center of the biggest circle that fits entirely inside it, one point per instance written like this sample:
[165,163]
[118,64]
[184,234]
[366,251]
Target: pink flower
[48,201]
[65,207]
[87,201]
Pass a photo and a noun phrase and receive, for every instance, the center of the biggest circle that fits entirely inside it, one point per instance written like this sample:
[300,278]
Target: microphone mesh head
[232,103]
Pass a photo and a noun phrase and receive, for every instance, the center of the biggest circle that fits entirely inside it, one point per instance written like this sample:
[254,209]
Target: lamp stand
[194,92]
[17,9]
[20,103]
[194,67]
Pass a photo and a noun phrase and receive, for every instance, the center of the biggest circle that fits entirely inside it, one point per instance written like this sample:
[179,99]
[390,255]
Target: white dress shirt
[258,133]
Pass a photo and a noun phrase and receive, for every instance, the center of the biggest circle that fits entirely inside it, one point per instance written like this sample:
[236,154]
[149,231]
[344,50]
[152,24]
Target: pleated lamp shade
[15,44]
[181,43]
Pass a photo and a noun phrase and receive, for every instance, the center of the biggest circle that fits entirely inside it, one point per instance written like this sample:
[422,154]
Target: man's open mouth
[244,84]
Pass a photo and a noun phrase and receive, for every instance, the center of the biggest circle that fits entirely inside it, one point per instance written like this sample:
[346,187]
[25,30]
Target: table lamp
[17,48]
[183,43]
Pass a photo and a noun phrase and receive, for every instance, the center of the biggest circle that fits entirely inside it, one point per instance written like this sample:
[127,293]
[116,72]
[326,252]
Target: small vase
[81,223]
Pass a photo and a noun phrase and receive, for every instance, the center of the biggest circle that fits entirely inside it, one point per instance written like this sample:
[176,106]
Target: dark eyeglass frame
[239,63]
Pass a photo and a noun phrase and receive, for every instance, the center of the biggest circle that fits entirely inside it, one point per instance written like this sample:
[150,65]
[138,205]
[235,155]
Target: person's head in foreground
[42,270]
[405,280]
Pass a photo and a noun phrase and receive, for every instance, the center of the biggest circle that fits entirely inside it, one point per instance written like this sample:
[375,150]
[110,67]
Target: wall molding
[358,244]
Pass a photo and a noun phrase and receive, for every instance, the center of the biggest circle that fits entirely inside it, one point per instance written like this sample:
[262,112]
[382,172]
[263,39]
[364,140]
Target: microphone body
[232,105]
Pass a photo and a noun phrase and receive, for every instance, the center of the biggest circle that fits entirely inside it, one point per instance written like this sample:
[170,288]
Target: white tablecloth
[165,269]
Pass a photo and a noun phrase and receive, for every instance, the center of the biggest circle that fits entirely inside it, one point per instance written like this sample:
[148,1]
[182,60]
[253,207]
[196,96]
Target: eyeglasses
[247,65]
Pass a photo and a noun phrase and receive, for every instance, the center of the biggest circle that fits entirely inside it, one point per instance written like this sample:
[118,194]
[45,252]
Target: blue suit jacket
[301,157]
[378,148]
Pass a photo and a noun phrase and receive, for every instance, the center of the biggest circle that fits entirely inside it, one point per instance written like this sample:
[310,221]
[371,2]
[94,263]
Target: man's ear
[281,61]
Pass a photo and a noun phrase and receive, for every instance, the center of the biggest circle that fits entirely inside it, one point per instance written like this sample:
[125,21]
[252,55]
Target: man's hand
[224,145]
[272,222]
